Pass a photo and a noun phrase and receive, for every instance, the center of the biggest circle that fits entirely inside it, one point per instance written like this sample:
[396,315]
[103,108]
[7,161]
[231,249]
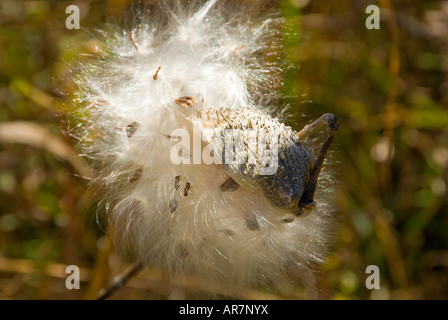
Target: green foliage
[389,87]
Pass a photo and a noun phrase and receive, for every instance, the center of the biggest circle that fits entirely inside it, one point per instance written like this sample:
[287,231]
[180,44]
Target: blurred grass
[389,87]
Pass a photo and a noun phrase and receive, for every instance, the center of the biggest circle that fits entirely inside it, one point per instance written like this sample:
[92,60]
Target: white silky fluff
[223,59]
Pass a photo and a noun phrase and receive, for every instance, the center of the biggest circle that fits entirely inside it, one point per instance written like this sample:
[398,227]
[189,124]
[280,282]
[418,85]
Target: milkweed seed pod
[199,178]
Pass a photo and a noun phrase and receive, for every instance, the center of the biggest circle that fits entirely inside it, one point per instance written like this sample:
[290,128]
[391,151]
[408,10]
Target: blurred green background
[388,86]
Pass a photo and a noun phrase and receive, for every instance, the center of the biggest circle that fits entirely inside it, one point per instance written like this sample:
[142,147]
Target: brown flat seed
[131,129]
[229,185]
[251,222]
[287,219]
[183,250]
[187,189]
[177,182]
[186,102]
[227,232]
[137,175]
[173,205]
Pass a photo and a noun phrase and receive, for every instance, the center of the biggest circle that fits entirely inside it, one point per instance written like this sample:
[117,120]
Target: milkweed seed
[287,219]
[229,185]
[171,138]
[227,232]
[183,251]
[186,102]
[131,129]
[251,222]
[187,189]
[137,175]
[173,205]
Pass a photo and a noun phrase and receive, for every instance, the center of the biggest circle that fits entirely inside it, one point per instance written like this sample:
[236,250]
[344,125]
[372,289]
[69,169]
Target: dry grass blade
[39,137]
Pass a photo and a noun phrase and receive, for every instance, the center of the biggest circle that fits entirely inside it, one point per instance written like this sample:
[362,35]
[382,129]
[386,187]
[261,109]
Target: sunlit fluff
[175,217]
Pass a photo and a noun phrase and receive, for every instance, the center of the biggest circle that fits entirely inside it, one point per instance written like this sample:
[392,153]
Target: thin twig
[120,280]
